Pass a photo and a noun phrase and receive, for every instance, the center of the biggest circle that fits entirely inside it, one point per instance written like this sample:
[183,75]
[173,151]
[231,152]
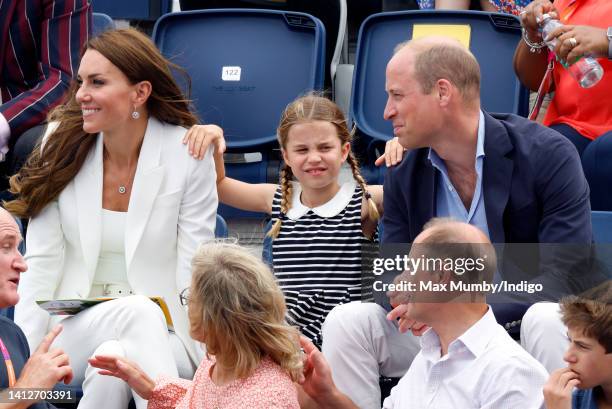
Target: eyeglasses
[184,296]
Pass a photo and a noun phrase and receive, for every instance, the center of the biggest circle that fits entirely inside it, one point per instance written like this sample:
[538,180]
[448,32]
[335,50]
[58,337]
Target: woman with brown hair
[117,209]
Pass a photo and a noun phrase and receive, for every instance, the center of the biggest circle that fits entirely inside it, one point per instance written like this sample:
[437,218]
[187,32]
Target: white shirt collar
[475,339]
[329,209]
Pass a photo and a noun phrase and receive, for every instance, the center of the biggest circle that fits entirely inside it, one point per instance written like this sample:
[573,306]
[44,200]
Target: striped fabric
[40,45]
[317,263]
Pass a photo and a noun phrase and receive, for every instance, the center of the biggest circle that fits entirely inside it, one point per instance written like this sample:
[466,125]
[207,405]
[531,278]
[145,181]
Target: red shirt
[588,110]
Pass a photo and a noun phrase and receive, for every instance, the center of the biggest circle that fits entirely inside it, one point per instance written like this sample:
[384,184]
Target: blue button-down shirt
[448,202]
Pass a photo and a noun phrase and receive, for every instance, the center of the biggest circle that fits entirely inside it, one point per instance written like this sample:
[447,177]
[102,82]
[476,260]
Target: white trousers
[360,345]
[544,335]
[133,327]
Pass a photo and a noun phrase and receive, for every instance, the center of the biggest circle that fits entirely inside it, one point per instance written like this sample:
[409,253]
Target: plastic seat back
[148,10]
[332,14]
[602,226]
[245,65]
[101,23]
[221,228]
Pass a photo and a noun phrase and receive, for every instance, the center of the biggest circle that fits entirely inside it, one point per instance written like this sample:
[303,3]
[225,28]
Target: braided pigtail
[372,210]
[286,193]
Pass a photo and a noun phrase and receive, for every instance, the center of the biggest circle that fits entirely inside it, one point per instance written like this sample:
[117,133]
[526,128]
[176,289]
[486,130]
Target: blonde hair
[241,310]
[307,109]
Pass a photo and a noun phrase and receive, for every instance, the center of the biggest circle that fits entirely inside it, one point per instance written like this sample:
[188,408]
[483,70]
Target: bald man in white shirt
[467,360]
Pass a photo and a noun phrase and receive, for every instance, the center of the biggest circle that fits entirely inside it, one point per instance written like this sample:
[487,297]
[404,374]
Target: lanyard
[9,364]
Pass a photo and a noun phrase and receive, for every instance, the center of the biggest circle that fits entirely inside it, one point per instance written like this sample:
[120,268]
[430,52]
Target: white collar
[329,209]
[475,339]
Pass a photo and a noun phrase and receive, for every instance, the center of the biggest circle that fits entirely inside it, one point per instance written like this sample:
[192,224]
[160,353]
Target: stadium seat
[492,38]
[148,10]
[333,15]
[602,226]
[245,67]
[101,23]
[221,228]
[266,253]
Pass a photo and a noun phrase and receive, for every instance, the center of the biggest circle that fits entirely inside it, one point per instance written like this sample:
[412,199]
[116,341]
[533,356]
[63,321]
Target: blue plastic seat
[101,23]
[332,14]
[602,226]
[266,251]
[493,39]
[245,66]
[149,10]
[221,228]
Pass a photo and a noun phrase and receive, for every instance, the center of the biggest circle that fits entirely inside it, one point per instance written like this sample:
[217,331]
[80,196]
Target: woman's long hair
[45,175]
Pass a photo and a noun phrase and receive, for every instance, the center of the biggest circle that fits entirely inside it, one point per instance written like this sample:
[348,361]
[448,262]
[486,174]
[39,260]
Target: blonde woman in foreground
[236,309]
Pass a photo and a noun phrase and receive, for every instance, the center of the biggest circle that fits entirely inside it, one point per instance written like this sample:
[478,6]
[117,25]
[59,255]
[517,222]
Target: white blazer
[172,210]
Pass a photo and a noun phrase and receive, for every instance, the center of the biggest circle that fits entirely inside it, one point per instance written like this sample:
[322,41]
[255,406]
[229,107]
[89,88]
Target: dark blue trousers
[596,158]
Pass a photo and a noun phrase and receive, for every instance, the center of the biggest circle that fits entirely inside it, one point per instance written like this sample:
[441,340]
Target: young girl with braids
[320,225]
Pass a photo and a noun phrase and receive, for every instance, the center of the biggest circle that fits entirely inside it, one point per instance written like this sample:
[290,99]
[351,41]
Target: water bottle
[587,71]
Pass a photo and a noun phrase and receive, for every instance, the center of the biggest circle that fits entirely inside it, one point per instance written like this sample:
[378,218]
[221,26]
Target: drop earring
[135,114]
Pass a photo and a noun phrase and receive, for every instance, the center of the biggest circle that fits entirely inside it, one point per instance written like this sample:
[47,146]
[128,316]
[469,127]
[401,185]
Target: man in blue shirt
[516,180]
[589,356]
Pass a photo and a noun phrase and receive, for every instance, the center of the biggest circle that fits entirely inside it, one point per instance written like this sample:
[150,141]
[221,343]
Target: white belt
[111,290]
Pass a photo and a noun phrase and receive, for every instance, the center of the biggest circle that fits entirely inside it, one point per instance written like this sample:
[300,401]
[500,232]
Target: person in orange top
[581,114]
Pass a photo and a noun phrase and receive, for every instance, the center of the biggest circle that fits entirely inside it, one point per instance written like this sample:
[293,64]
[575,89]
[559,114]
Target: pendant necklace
[123,187]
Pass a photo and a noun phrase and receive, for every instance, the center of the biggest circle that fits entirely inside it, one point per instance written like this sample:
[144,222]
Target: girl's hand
[558,389]
[127,370]
[588,41]
[393,153]
[200,137]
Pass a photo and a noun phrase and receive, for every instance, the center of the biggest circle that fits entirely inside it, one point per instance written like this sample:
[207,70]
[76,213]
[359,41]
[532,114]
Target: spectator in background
[510,6]
[45,367]
[501,6]
[40,46]
[463,4]
[589,356]
[582,115]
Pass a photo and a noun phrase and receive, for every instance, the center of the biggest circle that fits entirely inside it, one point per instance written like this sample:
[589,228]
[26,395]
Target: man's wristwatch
[609,34]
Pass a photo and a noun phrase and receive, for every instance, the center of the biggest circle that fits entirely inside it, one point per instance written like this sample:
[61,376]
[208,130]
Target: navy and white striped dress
[317,256]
